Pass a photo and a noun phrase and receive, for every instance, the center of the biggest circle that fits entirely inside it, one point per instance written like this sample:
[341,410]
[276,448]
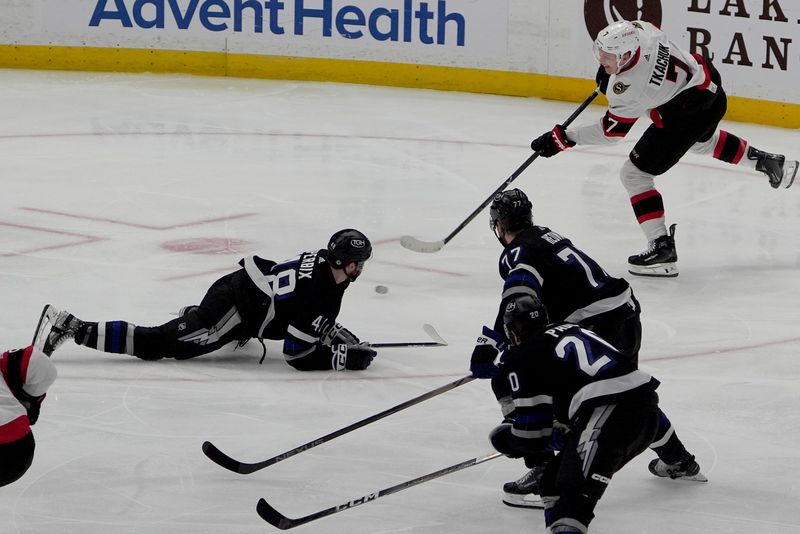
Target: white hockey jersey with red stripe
[658,72]
[37,374]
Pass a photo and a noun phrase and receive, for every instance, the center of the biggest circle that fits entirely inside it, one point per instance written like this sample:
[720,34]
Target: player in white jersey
[25,376]
[642,72]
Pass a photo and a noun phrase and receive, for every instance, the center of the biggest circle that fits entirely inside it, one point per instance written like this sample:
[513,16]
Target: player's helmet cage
[512,210]
[524,315]
[618,38]
[348,245]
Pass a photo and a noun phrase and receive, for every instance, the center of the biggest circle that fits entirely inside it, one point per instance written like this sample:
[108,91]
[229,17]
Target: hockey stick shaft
[438,341]
[421,246]
[275,518]
[223,460]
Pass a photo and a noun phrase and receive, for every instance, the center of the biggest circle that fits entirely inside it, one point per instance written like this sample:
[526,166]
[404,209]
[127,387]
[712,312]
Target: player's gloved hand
[33,405]
[352,357]
[602,79]
[552,142]
[502,440]
[337,334]
[487,347]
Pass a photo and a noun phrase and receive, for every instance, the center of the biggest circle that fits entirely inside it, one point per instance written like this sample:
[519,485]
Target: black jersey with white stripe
[563,371]
[571,284]
[303,300]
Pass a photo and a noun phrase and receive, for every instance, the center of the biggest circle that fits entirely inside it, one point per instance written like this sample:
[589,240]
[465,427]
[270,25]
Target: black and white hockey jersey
[302,302]
[563,371]
[658,72]
[569,283]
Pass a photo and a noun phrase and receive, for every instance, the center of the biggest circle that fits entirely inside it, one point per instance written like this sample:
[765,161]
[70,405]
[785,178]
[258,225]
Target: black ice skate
[660,258]
[685,469]
[53,329]
[781,173]
[524,493]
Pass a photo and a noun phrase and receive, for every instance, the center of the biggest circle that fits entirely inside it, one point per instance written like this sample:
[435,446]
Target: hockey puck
[381,289]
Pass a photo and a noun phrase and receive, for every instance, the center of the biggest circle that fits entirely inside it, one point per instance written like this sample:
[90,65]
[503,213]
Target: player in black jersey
[540,262]
[296,301]
[608,410]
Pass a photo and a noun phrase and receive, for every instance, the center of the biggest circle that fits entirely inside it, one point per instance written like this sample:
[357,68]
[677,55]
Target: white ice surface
[99,171]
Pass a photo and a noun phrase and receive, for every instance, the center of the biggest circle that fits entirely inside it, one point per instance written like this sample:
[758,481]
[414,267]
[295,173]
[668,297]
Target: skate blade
[523,501]
[699,477]
[661,270]
[789,173]
[43,327]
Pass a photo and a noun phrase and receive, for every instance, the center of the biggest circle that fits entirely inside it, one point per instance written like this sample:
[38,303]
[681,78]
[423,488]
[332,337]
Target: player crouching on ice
[296,301]
[27,374]
[609,410]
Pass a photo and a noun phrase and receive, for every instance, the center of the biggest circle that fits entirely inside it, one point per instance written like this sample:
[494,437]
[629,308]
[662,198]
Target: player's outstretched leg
[781,173]
[524,492]
[54,328]
[660,258]
[673,461]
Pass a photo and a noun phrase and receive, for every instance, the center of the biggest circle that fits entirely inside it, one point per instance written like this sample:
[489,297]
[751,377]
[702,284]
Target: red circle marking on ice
[207,245]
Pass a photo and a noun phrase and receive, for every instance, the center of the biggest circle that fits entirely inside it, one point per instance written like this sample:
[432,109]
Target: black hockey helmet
[347,246]
[512,210]
[523,316]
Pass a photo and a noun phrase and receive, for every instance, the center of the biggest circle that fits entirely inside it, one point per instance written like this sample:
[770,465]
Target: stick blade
[431,331]
[273,517]
[220,458]
[427,247]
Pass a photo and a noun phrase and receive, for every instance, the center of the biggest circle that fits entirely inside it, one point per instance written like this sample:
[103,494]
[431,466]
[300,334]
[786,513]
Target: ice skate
[660,258]
[781,173]
[524,493]
[53,329]
[685,469]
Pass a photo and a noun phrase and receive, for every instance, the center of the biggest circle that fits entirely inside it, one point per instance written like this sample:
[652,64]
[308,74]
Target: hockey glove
[352,357]
[33,405]
[337,334]
[487,347]
[602,79]
[512,446]
[552,142]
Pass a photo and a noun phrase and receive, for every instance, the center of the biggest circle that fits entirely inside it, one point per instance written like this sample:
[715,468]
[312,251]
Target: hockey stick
[438,341]
[417,245]
[277,519]
[244,468]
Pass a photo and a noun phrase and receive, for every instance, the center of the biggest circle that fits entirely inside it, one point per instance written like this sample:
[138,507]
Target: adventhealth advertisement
[293,27]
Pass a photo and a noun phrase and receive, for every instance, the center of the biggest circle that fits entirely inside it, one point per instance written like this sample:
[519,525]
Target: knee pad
[634,180]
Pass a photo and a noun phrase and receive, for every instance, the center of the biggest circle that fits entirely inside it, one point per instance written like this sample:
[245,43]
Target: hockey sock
[666,444]
[112,336]
[726,147]
[648,207]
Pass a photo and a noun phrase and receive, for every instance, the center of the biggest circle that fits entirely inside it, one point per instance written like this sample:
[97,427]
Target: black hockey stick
[244,468]
[277,519]
[438,341]
[417,245]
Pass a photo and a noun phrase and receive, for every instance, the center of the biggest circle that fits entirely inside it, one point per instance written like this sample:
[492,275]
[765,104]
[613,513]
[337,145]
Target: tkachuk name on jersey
[414,21]
[552,237]
[661,65]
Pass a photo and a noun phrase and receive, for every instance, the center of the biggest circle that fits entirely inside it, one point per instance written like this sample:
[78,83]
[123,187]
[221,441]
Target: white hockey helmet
[618,38]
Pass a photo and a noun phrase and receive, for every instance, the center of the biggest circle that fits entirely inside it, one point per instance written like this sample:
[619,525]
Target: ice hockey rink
[126,196]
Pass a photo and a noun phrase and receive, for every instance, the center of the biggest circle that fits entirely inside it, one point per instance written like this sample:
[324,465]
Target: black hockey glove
[487,347]
[602,79]
[33,405]
[512,446]
[337,334]
[352,357]
[552,142]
